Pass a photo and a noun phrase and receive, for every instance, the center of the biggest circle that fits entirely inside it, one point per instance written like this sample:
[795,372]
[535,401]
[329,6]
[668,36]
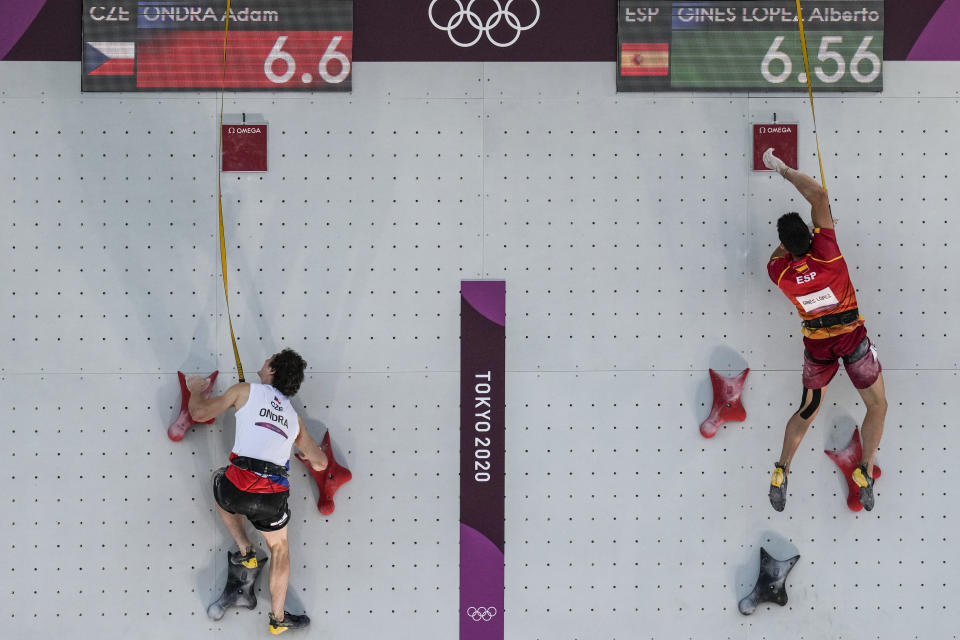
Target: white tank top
[267,425]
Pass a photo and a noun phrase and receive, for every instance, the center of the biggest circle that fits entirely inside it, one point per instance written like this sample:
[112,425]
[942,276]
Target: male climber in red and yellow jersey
[811,272]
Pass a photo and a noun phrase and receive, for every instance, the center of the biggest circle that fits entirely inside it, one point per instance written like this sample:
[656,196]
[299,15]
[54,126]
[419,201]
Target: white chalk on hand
[774,163]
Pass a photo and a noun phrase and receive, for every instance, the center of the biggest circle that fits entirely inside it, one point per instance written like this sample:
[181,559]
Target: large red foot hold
[726,402]
[328,480]
[178,429]
[848,459]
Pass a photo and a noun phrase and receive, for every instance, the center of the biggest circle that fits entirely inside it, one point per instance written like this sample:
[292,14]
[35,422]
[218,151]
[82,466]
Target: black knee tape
[814,403]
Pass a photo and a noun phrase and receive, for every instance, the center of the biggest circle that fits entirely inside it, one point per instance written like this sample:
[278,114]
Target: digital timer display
[749,46]
[156,45]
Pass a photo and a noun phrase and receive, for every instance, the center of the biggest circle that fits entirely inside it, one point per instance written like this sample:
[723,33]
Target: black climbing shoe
[778,487]
[865,482]
[290,621]
[249,561]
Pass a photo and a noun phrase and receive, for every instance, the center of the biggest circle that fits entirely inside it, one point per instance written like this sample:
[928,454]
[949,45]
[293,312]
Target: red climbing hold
[726,402]
[328,480]
[178,429]
[848,459]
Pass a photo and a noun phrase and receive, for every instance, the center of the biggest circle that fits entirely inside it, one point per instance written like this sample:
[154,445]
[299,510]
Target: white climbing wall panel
[633,239]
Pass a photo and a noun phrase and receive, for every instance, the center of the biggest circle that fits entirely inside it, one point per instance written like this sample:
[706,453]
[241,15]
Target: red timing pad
[243,147]
[255,59]
[726,402]
[783,139]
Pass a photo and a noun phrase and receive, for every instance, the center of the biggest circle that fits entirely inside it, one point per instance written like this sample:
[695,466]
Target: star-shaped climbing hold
[771,583]
[328,480]
[848,459]
[178,429]
[726,402]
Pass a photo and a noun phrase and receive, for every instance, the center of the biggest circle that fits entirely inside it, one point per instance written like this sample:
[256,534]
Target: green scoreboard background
[749,46]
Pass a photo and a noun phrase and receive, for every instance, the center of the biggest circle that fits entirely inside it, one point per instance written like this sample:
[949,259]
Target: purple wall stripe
[17,17]
[903,23]
[481,587]
[54,33]
[482,356]
[939,40]
[489,299]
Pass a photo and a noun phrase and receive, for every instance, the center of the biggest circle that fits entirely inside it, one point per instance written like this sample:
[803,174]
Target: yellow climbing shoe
[778,488]
[249,561]
[777,478]
[290,621]
[859,478]
[865,482]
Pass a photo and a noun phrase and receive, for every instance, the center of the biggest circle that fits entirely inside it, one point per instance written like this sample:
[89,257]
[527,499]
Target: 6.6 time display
[749,46]
[156,45]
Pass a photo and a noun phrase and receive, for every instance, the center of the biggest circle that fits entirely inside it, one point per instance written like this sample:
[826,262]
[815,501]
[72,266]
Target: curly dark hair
[288,368]
[794,234]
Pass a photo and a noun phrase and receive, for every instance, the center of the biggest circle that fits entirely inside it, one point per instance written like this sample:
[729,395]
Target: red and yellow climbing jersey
[818,284]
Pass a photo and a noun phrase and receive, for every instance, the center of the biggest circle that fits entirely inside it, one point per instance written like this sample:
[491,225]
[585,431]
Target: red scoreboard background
[271,45]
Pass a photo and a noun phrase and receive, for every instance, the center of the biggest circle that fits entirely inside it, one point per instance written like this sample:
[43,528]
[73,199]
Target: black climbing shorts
[265,511]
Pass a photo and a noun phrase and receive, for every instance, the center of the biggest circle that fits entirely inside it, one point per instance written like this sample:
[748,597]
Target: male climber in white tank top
[255,485]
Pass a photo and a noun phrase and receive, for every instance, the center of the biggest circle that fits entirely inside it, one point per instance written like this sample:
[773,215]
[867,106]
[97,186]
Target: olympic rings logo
[482,614]
[467,13]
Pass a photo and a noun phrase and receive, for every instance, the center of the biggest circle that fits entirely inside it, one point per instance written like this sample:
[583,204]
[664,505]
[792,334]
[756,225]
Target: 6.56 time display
[749,46]
[156,45]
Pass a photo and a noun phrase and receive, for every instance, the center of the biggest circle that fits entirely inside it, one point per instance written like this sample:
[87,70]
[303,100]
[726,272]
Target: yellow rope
[223,244]
[813,111]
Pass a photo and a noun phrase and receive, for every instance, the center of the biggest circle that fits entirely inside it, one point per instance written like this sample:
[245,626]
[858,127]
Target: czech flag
[645,59]
[109,58]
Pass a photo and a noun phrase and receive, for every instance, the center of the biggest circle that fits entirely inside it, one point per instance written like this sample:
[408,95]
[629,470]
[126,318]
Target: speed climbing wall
[633,240]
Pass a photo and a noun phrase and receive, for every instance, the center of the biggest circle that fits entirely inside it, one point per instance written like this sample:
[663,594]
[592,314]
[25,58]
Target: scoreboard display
[749,46]
[271,45]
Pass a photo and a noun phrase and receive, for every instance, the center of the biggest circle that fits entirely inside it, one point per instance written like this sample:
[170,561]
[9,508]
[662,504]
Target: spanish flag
[645,59]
